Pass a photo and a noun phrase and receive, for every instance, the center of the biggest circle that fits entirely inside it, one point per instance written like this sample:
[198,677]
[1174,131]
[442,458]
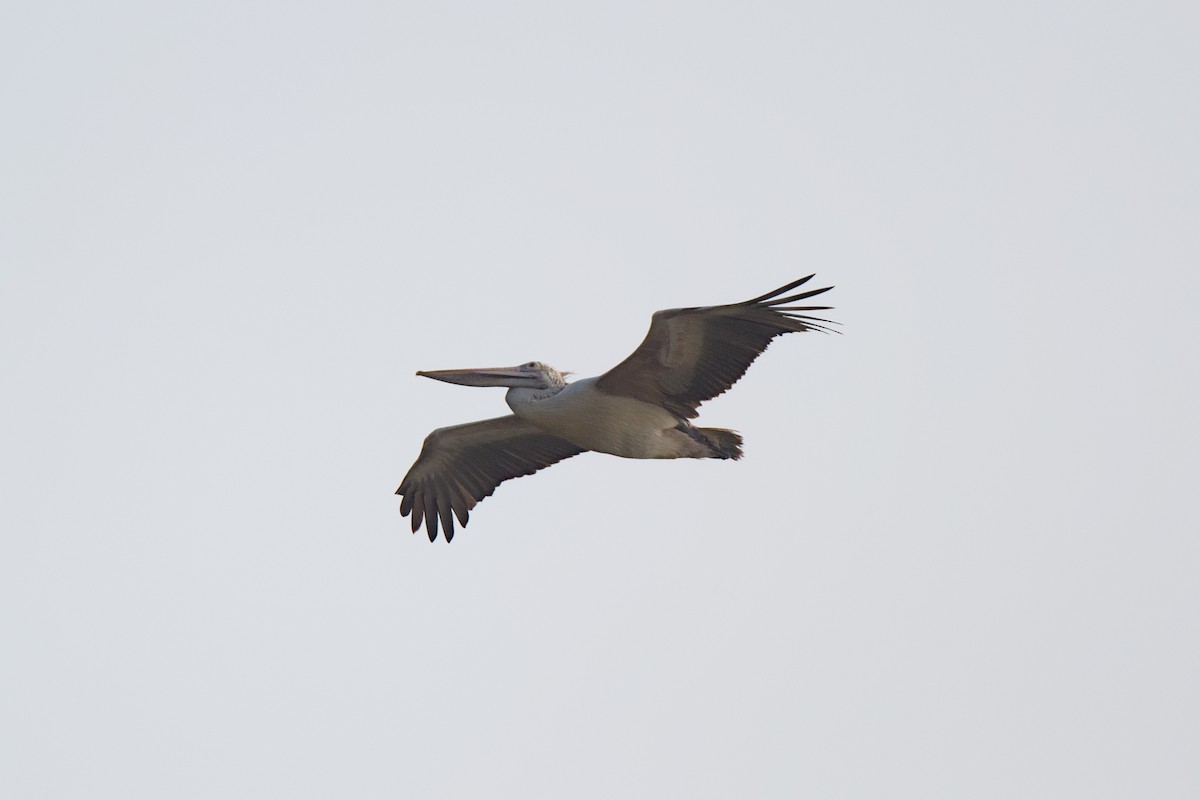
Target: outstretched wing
[694,354]
[462,464]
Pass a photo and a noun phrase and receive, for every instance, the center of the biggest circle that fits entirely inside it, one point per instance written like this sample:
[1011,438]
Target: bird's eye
[531,364]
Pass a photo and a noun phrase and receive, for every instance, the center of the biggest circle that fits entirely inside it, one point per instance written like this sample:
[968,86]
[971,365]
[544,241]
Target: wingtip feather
[780,290]
[801,296]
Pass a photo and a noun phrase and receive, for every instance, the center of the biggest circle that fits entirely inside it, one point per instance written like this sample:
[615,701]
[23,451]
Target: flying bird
[640,408]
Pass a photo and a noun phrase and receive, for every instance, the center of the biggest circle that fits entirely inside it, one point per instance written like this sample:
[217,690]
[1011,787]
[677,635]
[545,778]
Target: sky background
[959,559]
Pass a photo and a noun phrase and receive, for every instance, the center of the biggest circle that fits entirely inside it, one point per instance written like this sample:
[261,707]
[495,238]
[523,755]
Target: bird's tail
[725,443]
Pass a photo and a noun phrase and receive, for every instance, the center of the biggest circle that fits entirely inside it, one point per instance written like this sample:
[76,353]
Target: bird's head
[530,375]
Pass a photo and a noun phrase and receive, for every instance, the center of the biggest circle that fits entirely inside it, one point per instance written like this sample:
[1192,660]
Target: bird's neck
[523,396]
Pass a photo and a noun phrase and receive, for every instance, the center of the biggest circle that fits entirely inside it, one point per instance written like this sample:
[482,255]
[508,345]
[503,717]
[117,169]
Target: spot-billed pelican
[638,409]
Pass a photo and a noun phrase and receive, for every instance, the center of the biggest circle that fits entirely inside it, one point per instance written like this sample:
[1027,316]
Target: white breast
[605,423]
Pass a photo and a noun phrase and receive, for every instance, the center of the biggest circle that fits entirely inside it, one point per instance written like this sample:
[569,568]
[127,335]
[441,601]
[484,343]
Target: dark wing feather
[462,464]
[694,354]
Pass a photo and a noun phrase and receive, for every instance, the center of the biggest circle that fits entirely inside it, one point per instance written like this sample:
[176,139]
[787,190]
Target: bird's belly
[620,426]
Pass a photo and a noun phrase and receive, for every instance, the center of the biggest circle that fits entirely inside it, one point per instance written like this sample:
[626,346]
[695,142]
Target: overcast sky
[958,561]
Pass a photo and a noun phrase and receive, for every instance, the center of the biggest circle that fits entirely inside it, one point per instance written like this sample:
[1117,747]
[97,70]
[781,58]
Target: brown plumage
[694,354]
[462,464]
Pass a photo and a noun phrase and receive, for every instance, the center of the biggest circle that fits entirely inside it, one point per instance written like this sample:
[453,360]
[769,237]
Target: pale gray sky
[959,559]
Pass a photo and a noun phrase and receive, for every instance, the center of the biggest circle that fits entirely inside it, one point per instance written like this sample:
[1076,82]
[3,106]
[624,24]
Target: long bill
[492,376]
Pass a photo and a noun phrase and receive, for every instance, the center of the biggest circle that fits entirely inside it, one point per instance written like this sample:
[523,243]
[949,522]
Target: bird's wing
[694,354]
[462,464]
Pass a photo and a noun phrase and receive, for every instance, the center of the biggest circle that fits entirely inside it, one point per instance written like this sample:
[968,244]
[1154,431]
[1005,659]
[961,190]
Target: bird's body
[639,409]
[607,423]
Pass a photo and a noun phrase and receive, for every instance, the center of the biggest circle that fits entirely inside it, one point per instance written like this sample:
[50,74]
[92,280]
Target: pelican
[640,408]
